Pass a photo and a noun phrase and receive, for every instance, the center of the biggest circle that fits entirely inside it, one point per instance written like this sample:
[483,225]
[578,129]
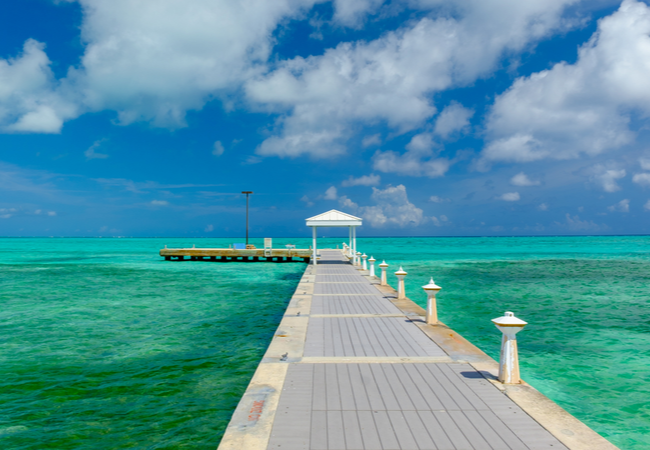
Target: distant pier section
[237,254]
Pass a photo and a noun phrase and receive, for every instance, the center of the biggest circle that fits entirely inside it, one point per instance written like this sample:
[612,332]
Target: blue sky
[424,117]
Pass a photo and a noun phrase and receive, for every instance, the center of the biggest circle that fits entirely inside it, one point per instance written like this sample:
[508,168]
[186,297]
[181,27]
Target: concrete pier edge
[252,422]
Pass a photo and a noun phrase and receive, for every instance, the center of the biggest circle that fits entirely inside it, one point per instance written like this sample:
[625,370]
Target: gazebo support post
[350,233]
[354,243]
[313,232]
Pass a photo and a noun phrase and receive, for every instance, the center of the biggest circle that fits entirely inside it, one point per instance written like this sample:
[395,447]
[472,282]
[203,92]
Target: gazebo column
[350,233]
[354,243]
[313,230]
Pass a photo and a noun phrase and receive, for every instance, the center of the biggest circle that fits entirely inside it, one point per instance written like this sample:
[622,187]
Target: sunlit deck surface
[353,367]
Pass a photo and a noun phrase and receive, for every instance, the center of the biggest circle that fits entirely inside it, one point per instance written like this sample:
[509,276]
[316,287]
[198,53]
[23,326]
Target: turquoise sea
[104,345]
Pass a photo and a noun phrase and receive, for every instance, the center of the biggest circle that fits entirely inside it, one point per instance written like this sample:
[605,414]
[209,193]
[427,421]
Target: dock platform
[236,255]
[352,367]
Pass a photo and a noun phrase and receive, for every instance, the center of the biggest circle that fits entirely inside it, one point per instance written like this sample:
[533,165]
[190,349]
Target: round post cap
[431,286]
[383,264]
[509,320]
[358,253]
[364,256]
[401,272]
[371,259]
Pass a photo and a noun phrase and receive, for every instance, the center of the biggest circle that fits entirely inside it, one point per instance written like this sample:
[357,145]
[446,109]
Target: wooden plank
[369,432]
[345,387]
[453,431]
[398,387]
[358,386]
[335,431]
[319,397]
[372,391]
[454,394]
[352,430]
[469,429]
[402,430]
[332,388]
[318,435]
[419,430]
[384,388]
[385,430]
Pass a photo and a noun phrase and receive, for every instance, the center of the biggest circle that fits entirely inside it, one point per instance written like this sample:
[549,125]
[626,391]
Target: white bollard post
[372,266]
[383,266]
[401,292]
[357,259]
[509,325]
[431,290]
[364,265]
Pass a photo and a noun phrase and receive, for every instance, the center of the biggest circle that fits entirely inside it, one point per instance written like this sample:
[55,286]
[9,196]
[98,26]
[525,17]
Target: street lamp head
[246,192]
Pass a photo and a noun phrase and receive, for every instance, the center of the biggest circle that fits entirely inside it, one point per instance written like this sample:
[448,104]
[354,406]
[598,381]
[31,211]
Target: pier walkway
[351,367]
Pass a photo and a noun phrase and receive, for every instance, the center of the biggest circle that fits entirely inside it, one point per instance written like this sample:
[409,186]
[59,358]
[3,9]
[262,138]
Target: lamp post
[247,194]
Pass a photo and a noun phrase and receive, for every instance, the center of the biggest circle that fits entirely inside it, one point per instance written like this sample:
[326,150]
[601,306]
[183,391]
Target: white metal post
[314,243]
[372,266]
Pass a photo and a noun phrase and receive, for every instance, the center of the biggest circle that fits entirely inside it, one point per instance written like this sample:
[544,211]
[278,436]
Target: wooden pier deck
[234,255]
[351,367]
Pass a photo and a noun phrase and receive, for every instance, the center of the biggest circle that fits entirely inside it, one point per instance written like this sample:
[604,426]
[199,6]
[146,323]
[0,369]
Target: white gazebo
[335,218]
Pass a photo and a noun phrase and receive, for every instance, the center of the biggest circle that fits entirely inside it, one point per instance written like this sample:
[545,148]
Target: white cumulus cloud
[510,197]
[521,179]
[391,79]
[642,179]
[217,148]
[392,208]
[581,108]
[91,153]
[365,180]
[28,101]
[622,206]
[331,194]
[454,117]
[606,178]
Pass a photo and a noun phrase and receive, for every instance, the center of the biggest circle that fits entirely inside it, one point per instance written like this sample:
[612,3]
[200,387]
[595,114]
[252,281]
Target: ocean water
[104,345]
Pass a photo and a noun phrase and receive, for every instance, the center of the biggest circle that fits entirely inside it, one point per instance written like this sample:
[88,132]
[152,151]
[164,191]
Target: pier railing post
[383,266]
[372,266]
[357,259]
[364,265]
[400,274]
[509,325]
[431,290]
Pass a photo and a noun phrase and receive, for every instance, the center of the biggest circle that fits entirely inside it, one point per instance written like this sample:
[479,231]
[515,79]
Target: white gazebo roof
[334,218]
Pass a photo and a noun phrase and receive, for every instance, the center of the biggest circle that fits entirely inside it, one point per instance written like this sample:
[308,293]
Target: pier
[236,255]
[353,365]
